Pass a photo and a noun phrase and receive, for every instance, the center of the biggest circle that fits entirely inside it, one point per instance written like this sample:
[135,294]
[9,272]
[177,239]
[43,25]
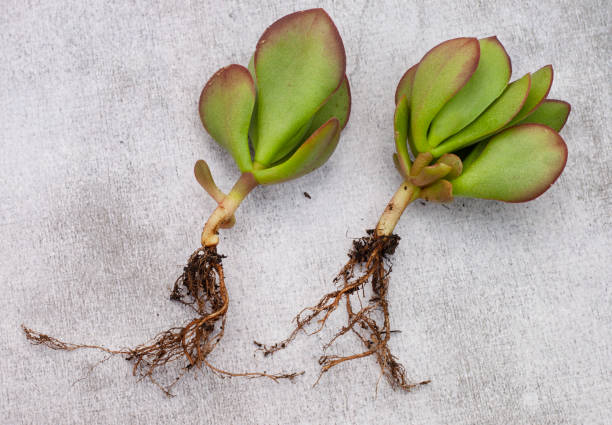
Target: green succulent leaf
[440,191]
[541,80]
[292,144]
[251,67]
[474,152]
[485,85]
[454,162]
[313,153]
[299,62]
[400,123]
[442,72]
[338,105]
[226,106]
[404,87]
[430,174]
[552,113]
[516,165]
[490,121]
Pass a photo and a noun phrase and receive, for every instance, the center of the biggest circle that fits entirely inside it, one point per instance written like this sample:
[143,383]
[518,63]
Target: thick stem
[226,208]
[405,194]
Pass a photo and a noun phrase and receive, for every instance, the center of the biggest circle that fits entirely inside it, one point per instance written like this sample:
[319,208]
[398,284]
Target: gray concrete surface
[507,308]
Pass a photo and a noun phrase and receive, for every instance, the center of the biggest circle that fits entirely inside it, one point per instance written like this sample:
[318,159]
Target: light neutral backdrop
[506,308]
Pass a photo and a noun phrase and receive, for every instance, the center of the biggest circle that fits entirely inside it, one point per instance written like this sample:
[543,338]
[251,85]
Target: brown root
[368,262]
[202,288]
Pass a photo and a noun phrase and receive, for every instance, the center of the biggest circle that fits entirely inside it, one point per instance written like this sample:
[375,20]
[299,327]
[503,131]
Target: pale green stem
[226,208]
[405,194]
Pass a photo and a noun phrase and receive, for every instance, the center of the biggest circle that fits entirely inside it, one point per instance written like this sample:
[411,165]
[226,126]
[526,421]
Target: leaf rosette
[281,117]
[489,138]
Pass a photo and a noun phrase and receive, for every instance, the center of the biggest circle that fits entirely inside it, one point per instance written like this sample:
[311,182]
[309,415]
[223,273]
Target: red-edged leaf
[404,87]
[442,72]
[313,153]
[541,81]
[299,63]
[498,115]
[516,165]
[552,113]
[400,123]
[484,86]
[226,106]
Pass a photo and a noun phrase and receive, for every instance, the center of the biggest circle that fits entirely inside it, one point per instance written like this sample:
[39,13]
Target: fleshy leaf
[442,72]
[421,161]
[404,87]
[552,113]
[493,119]
[292,144]
[253,126]
[454,162]
[299,63]
[205,179]
[486,84]
[516,165]
[313,153]
[430,174]
[226,106]
[474,152]
[338,105]
[251,68]
[541,80]
[440,191]
[400,122]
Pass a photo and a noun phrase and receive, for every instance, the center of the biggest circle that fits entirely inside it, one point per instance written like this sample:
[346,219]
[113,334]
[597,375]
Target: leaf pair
[458,96]
[292,104]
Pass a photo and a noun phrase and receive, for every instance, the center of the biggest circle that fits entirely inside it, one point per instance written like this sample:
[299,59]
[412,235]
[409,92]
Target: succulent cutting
[461,129]
[280,119]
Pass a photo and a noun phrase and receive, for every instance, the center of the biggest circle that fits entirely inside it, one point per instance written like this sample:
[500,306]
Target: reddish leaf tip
[400,85]
[508,59]
[461,42]
[569,109]
[552,77]
[227,74]
[286,22]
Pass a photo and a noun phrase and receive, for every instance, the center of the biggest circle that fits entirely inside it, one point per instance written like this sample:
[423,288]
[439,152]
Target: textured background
[507,308]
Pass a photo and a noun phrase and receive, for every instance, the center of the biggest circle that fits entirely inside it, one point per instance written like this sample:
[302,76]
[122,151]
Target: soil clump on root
[368,263]
[202,288]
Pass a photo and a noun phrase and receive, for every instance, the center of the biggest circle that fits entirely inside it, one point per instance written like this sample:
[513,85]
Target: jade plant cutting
[280,119]
[461,129]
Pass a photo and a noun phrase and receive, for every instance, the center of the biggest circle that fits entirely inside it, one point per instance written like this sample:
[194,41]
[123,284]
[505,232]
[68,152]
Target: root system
[368,262]
[202,288]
